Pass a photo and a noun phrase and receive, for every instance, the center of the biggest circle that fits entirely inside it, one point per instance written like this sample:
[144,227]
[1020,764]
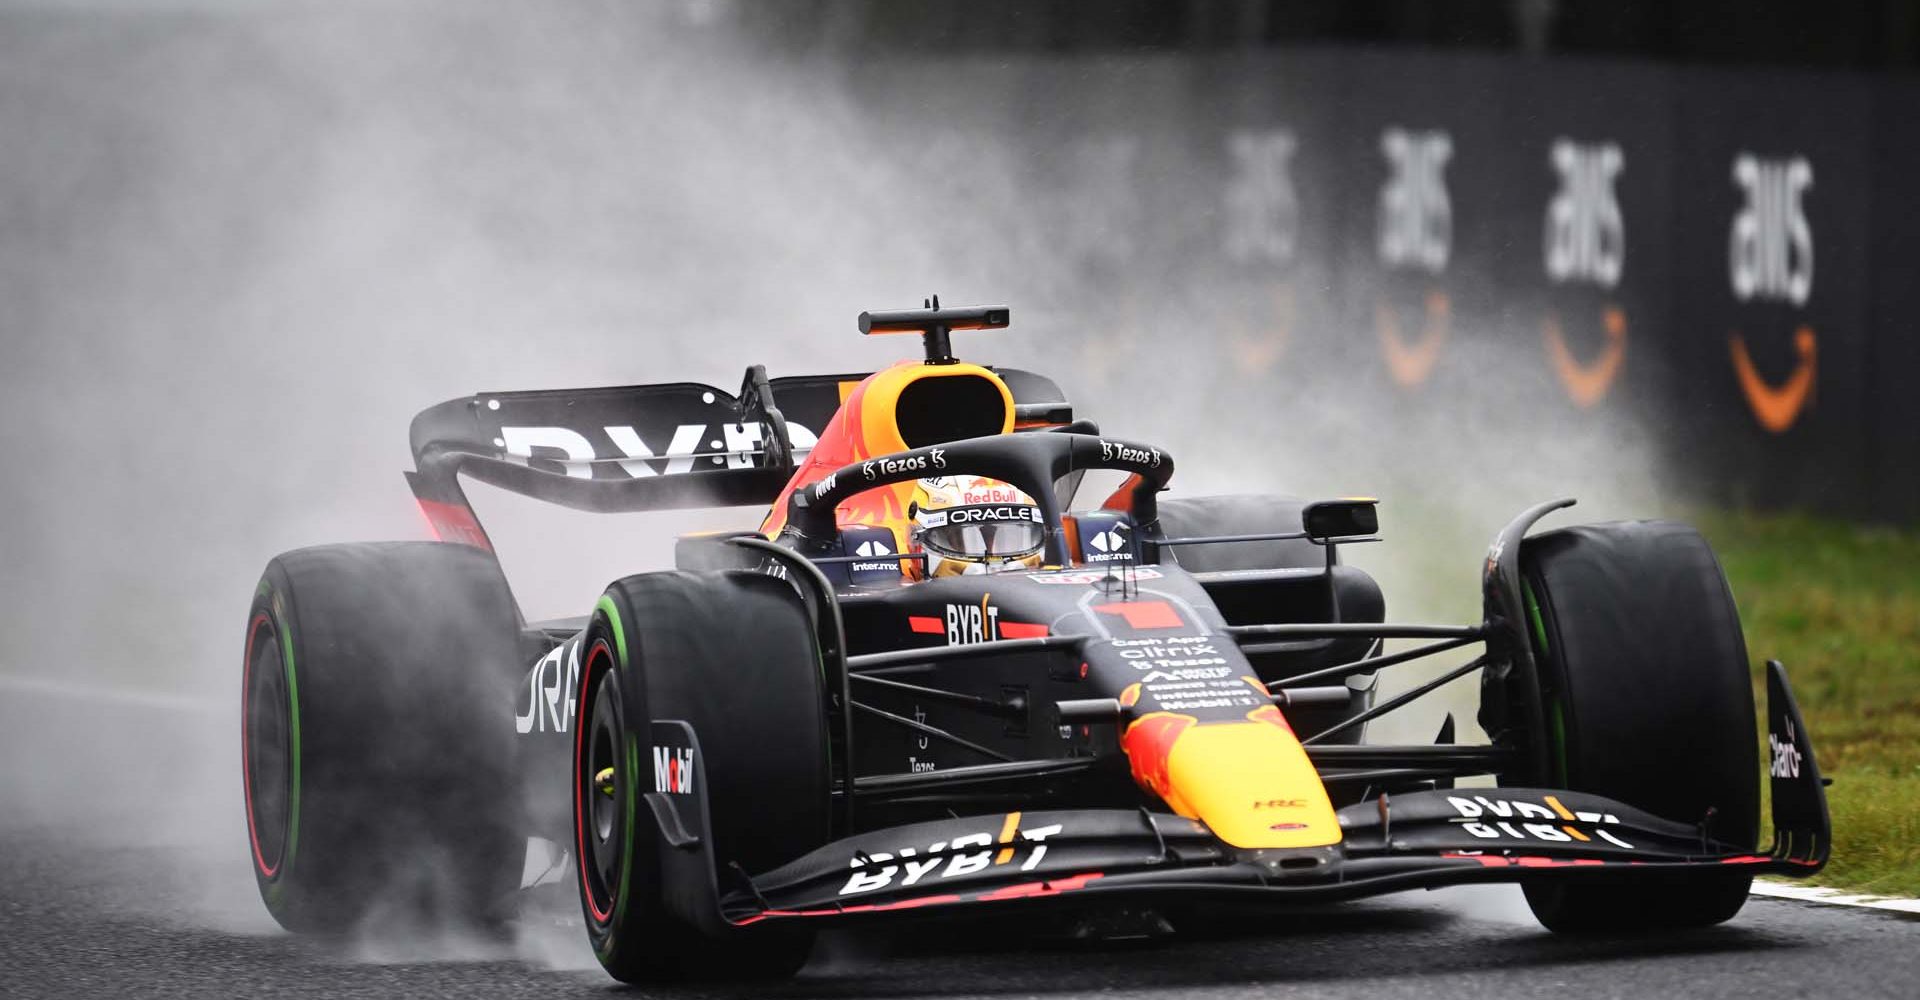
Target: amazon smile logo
[1777,407]
[1410,362]
[1257,347]
[1587,382]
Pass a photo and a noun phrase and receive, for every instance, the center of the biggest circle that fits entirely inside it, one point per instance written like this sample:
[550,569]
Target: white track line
[88,692]
[1834,897]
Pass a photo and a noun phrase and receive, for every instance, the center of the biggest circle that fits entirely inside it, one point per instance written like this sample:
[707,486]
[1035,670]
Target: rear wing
[670,446]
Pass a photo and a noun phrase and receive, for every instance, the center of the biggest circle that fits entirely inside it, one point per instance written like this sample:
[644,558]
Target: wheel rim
[602,790]
[266,750]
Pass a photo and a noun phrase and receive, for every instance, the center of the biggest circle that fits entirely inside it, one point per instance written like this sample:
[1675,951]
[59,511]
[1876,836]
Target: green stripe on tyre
[276,613]
[1555,712]
[631,773]
[626,837]
[619,632]
[1533,615]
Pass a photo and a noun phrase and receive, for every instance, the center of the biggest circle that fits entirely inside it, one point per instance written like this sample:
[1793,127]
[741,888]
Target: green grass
[1839,604]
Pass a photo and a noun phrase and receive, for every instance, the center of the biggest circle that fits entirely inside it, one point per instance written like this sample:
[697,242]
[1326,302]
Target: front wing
[1416,840]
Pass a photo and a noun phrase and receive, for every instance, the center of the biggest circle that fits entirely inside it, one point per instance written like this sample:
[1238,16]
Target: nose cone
[1249,780]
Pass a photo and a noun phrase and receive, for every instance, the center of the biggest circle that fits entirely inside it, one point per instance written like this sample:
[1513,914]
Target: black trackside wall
[1894,364]
[1774,281]
[1727,258]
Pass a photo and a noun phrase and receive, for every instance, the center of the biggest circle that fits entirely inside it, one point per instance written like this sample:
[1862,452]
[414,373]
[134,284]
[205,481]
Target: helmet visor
[998,531]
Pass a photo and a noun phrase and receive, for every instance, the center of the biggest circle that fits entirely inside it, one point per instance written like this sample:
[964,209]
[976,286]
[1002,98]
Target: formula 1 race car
[1144,702]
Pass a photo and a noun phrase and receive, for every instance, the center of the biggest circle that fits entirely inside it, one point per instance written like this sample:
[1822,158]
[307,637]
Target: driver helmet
[971,524]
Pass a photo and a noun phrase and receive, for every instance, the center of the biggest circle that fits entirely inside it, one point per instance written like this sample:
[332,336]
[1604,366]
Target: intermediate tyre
[733,655]
[376,747]
[1648,701]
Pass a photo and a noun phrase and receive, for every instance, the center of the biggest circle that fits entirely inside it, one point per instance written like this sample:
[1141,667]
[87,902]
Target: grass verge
[1839,604]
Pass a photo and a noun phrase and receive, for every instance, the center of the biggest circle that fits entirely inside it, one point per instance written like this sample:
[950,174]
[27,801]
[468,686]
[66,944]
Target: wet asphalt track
[170,922]
[124,873]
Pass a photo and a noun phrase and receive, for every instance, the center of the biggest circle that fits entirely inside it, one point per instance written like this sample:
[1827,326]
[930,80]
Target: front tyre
[733,655]
[1647,700]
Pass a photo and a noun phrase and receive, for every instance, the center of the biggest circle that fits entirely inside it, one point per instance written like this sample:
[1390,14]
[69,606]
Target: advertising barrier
[1724,255]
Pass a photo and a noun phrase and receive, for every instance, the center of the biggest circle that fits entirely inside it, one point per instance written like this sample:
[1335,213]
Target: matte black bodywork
[991,705]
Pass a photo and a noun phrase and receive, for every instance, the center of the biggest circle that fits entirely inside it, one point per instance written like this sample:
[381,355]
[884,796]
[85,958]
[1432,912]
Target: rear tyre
[732,654]
[376,736]
[1648,701]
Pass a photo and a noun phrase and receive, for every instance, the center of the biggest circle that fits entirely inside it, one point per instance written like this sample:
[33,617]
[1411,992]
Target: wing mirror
[1350,517]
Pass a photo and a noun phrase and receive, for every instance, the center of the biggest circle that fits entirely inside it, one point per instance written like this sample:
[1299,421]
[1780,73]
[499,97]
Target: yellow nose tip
[1252,784]
[604,781]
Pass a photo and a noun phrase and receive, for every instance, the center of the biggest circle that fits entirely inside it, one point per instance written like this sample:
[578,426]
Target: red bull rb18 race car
[936,683]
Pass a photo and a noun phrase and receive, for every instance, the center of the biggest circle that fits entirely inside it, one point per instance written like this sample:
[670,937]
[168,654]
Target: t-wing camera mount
[934,324]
